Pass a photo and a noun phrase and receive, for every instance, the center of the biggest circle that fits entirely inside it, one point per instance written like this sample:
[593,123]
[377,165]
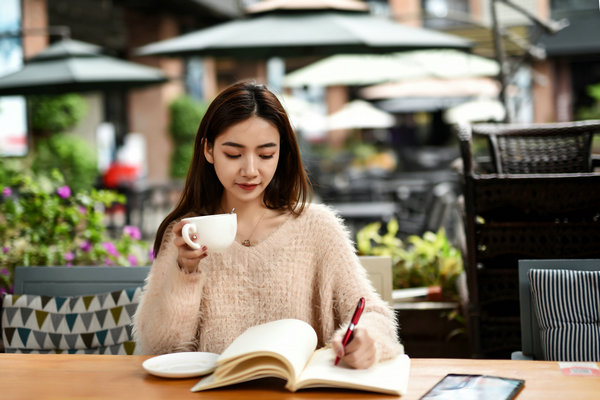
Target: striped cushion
[93,324]
[567,304]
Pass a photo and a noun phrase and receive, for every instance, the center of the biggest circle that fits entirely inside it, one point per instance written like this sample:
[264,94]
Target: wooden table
[62,376]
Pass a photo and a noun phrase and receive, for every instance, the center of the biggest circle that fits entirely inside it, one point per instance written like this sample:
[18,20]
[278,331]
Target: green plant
[57,113]
[592,111]
[186,114]
[43,223]
[71,155]
[429,260]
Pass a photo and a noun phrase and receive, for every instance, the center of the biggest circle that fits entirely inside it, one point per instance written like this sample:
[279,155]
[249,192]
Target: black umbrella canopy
[289,30]
[73,66]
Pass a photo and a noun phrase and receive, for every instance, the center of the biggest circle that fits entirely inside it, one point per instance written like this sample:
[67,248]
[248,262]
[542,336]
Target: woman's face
[245,158]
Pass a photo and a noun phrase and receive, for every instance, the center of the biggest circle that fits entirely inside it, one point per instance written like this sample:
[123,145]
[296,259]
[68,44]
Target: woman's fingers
[359,352]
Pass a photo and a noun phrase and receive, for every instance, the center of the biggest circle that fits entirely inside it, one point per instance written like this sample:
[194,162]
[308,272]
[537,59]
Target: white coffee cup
[216,232]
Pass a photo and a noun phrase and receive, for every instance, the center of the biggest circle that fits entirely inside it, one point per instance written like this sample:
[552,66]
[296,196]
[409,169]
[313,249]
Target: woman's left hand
[359,352]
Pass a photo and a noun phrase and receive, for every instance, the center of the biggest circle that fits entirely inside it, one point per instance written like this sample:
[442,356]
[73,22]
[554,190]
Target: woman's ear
[208,152]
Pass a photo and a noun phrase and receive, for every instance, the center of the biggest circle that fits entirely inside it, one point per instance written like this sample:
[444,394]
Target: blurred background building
[548,77]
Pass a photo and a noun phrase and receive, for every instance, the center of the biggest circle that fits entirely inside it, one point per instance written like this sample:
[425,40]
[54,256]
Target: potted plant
[429,262]
[423,261]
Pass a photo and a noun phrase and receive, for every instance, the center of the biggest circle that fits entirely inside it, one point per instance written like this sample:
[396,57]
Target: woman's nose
[249,168]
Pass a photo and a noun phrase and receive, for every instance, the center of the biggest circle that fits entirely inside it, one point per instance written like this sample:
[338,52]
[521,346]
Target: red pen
[355,317]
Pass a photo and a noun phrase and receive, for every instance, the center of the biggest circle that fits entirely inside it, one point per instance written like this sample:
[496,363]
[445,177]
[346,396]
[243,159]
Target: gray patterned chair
[560,310]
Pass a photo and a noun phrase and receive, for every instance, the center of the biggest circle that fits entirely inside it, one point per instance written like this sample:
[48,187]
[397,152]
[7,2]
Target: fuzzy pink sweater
[306,269]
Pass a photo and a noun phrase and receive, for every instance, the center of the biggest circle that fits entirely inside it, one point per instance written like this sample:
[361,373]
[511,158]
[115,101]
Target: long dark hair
[290,187]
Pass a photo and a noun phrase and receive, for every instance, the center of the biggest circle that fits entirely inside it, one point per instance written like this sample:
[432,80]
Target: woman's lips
[248,186]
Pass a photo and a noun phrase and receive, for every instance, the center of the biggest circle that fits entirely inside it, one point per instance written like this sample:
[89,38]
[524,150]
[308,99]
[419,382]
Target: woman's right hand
[188,258]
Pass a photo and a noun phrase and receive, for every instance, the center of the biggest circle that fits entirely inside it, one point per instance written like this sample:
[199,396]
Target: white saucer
[181,365]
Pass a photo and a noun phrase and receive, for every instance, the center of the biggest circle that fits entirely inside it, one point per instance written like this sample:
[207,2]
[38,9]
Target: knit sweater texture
[306,269]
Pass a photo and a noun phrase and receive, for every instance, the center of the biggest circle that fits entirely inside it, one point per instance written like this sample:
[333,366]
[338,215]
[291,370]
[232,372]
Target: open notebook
[286,349]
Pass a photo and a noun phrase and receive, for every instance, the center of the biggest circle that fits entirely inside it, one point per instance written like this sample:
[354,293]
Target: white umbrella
[352,69]
[434,87]
[359,114]
[305,117]
[348,69]
[480,110]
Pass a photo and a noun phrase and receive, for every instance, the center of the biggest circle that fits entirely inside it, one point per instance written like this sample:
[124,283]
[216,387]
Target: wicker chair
[540,148]
[534,211]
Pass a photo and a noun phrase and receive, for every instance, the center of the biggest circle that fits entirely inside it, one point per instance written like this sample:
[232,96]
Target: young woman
[290,259]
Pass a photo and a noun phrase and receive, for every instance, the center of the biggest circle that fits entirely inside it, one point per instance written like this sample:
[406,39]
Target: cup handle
[185,233]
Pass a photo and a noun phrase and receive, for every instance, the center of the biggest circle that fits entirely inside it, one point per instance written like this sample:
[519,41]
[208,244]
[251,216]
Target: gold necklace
[247,242]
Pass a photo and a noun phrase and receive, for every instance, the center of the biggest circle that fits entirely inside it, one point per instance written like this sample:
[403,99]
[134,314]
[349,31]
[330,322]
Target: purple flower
[108,261]
[133,231]
[5,249]
[69,256]
[7,191]
[82,210]
[110,247]
[132,260]
[64,191]
[85,246]
[4,271]
[151,254]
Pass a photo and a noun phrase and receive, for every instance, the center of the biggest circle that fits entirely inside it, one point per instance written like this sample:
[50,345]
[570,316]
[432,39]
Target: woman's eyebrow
[240,146]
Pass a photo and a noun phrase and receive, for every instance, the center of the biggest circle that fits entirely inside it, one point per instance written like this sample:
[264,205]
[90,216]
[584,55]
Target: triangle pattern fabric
[87,300]
[131,308]
[56,320]
[45,301]
[25,313]
[8,335]
[116,296]
[75,324]
[55,339]
[15,298]
[40,338]
[102,298]
[86,318]
[73,302]
[59,302]
[101,316]
[116,313]
[101,336]
[71,318]
[10,314]
[40,317]
[24,335]
[30,299]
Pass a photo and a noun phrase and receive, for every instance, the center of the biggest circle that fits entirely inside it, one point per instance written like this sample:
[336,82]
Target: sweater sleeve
[168,315]
[349,281]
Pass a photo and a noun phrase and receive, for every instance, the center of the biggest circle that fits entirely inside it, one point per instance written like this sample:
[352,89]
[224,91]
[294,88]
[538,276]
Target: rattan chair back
[540,148]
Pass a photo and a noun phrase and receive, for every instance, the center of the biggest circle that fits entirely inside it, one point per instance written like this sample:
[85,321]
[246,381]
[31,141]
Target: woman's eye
[266,156]
[232,155]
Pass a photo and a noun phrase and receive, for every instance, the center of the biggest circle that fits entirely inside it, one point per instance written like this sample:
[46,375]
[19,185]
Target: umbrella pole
[500,57]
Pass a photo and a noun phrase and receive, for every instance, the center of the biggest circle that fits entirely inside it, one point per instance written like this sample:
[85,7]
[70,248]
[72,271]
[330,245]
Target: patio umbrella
[74,66]
[294,28]
[349,69]
[359,114]
[479,110]
[434,87]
